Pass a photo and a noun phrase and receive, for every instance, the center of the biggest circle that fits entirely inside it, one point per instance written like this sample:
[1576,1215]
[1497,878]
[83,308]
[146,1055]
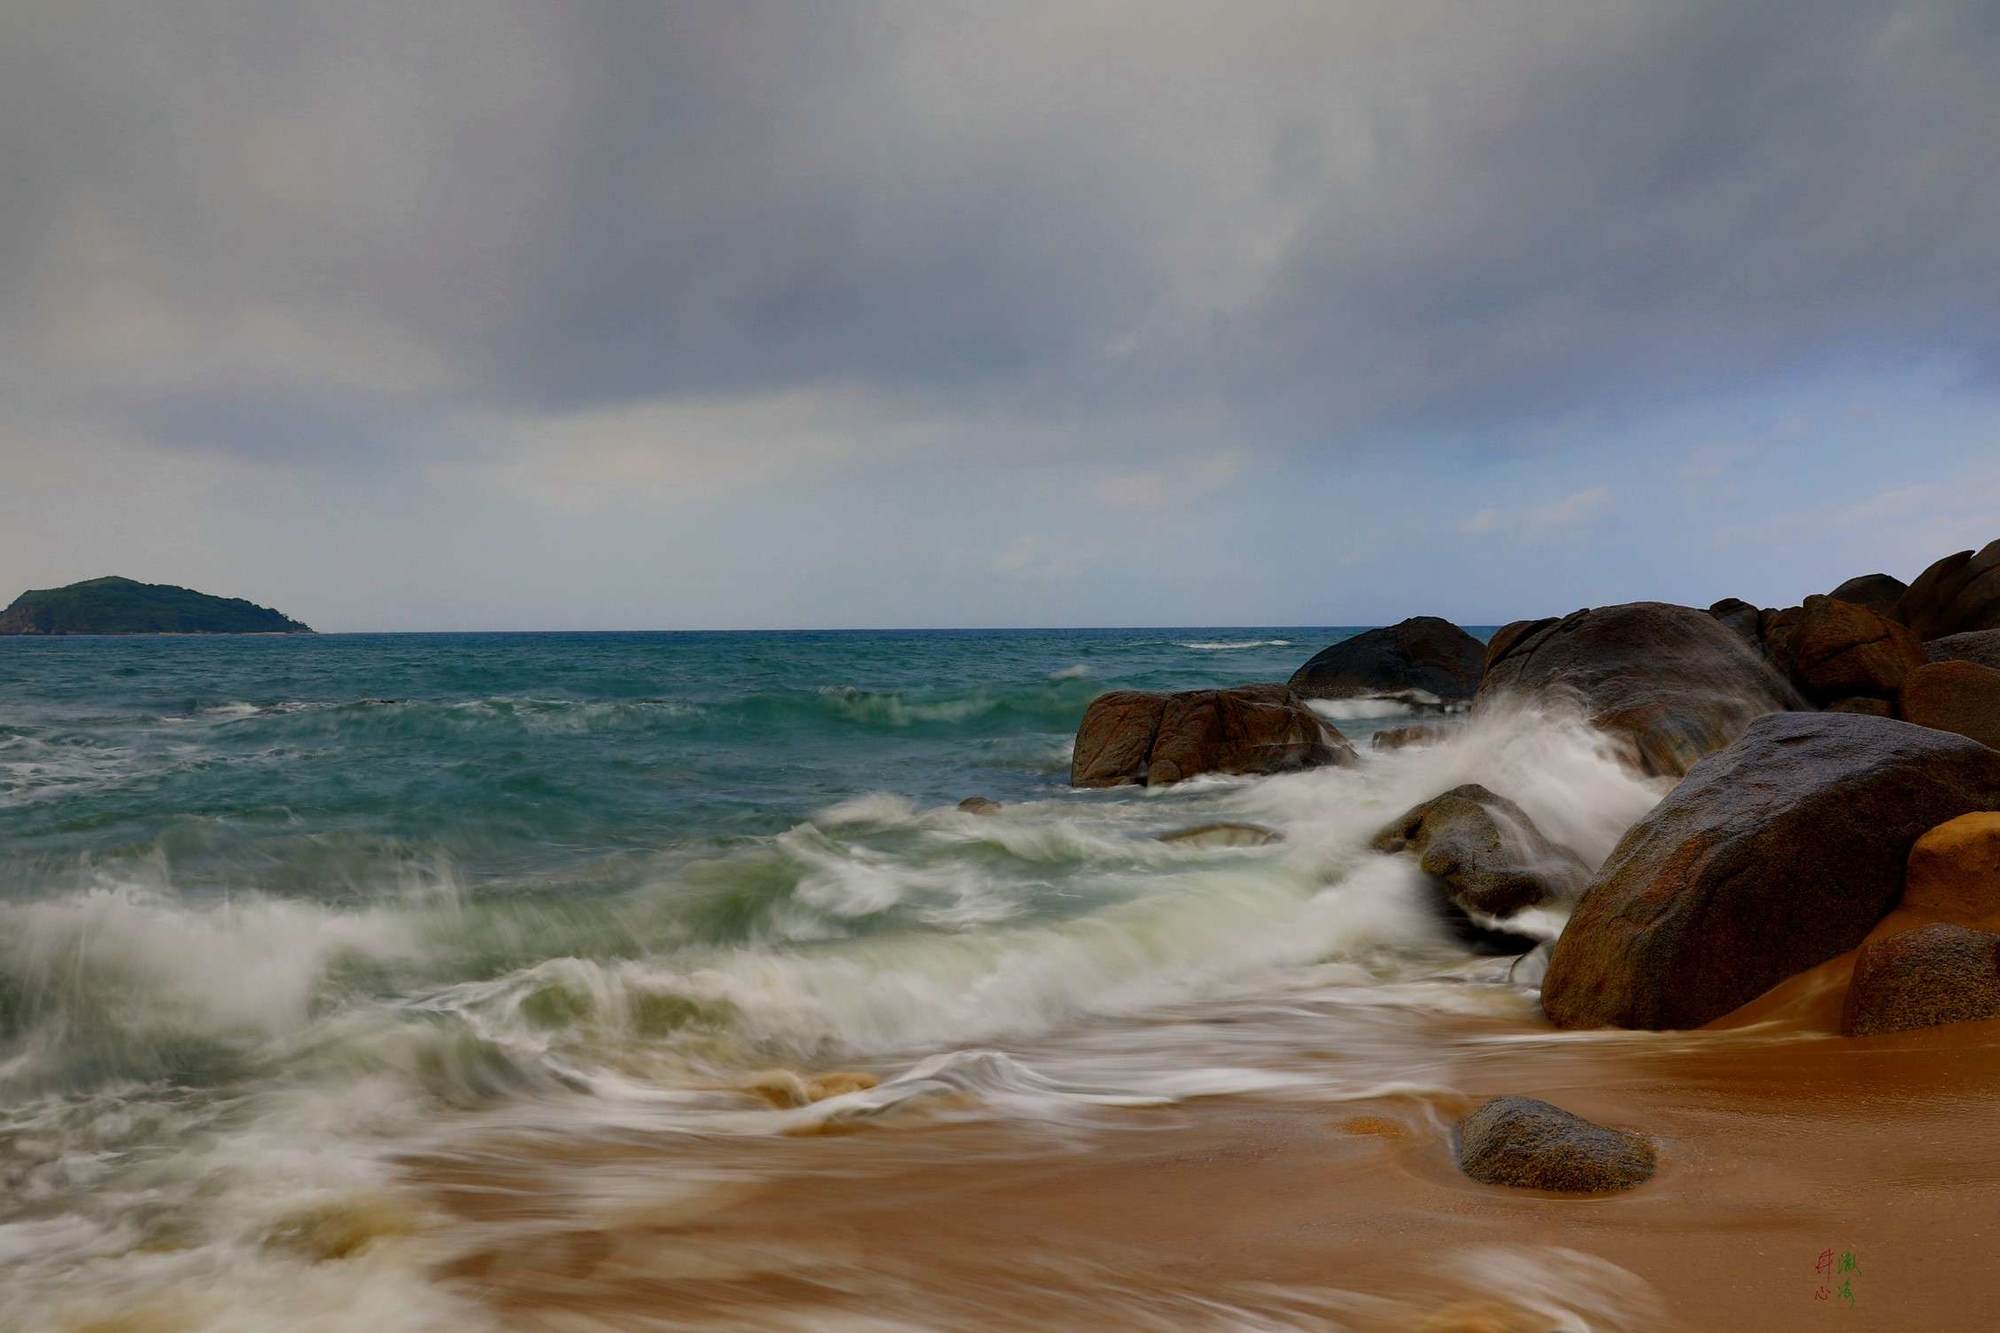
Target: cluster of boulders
[1836,770]
[1928,653]
[1839,824]
[1148,738]
[1770,857]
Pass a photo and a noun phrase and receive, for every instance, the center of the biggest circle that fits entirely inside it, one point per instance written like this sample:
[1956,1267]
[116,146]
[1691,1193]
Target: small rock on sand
[1529,1144]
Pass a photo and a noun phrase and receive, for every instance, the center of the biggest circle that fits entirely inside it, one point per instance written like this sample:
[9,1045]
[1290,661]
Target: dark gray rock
[1530,1144]
[1741,618]
[1672,682]
[1423,653]
[1980,647]
[1878,592]
[1484,853]
[1770,857]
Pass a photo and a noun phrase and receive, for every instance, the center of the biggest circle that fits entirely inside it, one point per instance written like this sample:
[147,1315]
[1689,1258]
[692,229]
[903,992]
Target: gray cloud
[376,235]
[1332,215]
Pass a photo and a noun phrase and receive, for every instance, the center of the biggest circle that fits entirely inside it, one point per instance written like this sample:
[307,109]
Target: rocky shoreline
[1835,802]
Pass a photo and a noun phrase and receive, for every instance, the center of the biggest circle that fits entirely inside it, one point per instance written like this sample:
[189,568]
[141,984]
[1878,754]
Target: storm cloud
[1003,276]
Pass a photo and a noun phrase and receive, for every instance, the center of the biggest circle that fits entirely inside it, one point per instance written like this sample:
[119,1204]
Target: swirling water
[275,911]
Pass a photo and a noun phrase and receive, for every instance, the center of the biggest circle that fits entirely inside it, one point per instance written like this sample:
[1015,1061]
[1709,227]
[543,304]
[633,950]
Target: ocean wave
[528,711]
[1225,646]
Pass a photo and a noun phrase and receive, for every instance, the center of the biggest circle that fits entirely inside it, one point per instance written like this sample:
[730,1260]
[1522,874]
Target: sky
[740,315]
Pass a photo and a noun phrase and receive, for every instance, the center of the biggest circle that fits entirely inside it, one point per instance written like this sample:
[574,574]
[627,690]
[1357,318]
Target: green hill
[120,606]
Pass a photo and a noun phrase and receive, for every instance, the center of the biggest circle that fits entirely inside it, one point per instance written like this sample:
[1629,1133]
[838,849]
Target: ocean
[281,917]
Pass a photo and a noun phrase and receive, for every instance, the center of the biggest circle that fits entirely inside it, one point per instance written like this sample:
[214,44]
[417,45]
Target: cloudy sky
[496,315]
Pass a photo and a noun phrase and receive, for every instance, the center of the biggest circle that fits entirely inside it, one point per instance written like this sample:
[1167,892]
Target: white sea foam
[1234,645]
[1359,710]
[1054,961]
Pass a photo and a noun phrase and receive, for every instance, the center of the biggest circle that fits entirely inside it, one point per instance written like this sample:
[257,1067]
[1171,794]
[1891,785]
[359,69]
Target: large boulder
[1935,974]
[1770,857]
[1423,654]
[1954,871]
[1959,593]
[1530,1144]
[1877,592]
[1839,650]
[1134,736]
[1484,852]
[1674,683]
[1114,742]
[1954,696]
[1981,646]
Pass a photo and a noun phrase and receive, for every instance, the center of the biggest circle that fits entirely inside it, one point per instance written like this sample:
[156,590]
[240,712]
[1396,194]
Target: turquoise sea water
[314,766]
[277,913]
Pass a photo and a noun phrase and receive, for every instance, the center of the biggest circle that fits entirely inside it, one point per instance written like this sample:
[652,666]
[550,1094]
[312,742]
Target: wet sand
[1311,1208]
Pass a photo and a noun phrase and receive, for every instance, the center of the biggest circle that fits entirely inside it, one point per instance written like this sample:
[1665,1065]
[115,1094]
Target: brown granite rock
[1776,854]
[1672,682]
[1507,636]
[1935,974]
[1114,743]
[1954,871]
[1954,696]
[1775,629]
[1529,1144]
[979,805]
[1864,706]
[1131,736]
[1840,650]
[1959,593]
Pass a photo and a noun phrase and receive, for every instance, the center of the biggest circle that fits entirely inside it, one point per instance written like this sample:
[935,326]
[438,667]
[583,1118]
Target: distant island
[121,606]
